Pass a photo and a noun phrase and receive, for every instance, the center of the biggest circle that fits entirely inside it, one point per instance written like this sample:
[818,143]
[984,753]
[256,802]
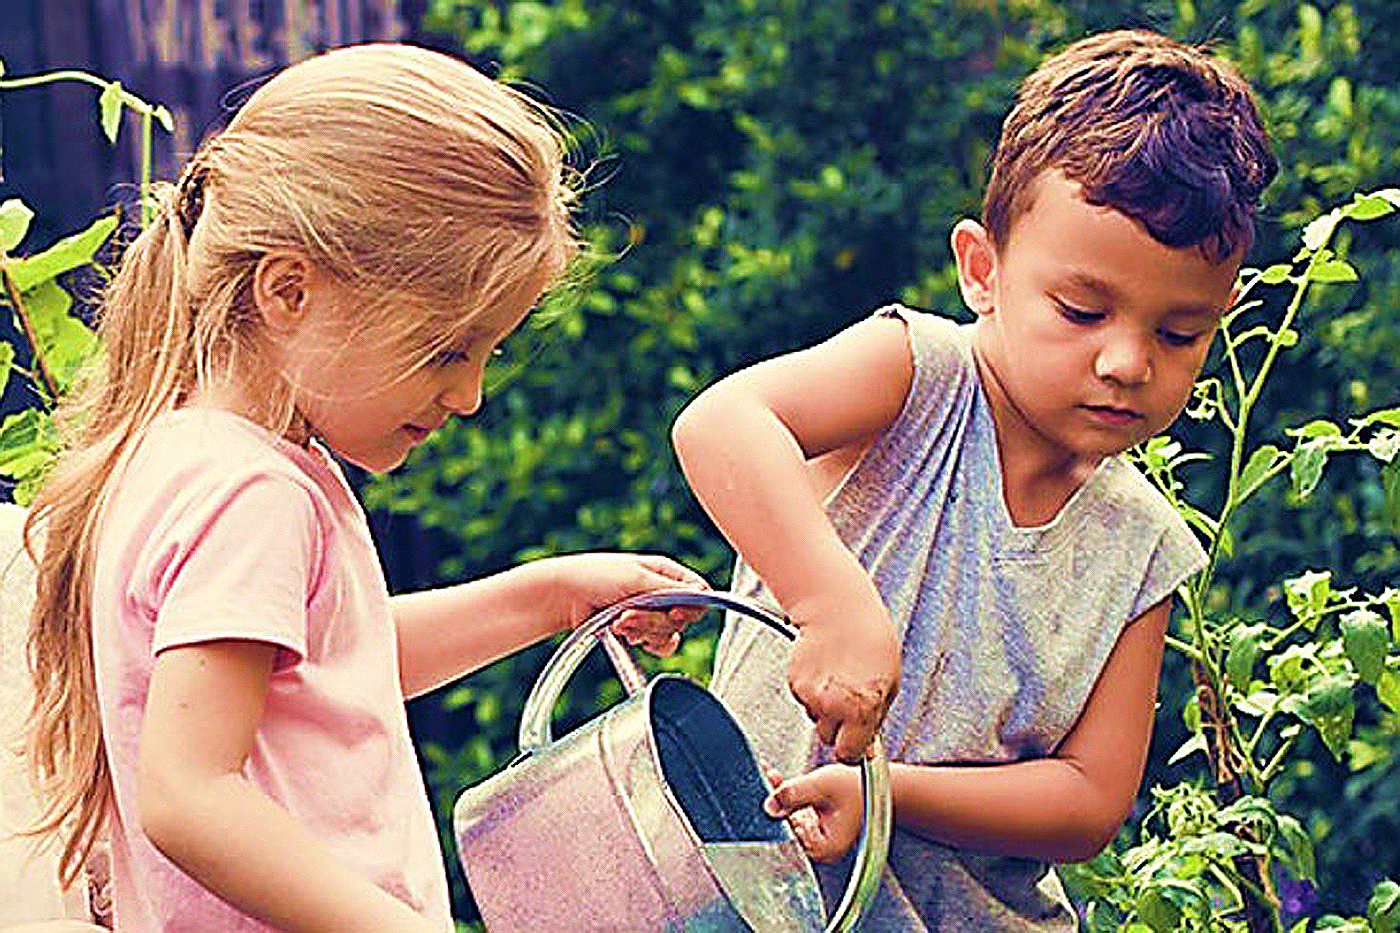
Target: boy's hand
[844,671]
[824,808]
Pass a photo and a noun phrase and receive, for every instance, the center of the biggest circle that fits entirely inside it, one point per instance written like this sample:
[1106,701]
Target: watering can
[649,817]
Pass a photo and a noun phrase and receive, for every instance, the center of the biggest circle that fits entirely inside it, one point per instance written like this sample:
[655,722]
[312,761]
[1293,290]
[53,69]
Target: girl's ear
[976,258]
[280,291]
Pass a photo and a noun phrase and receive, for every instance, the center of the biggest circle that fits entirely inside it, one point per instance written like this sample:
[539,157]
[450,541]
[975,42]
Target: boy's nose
[1126,360]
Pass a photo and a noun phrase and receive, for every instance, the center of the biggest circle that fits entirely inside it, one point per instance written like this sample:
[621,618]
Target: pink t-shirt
[218,529]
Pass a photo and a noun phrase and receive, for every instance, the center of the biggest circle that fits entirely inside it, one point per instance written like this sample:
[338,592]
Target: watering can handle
[536,732]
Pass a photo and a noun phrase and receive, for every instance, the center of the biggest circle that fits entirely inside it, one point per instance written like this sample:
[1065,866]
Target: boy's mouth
[1113,414]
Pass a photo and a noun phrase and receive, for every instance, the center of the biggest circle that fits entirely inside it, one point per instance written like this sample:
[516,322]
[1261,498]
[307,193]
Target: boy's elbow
[1098,822]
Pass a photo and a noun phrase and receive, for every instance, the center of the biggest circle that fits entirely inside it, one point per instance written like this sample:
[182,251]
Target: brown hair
[1160,131]
[411,177]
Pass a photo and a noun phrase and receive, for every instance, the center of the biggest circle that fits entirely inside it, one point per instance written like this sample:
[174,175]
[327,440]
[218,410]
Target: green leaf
[1329,708]
[15,216]
[68,253]
[1366,638]
[1309,460]
[1384,445]
[1383,910]
[7,359]
[110,104]
[1298,844]
[1158,911]
[1390,500]
[1308,592]
[1319,427]
[1240,656]
[1197,743]
[1332,270]
[165,119]
[1388,690]
[1276,274]
[1369,207]
[1260,462]
[65,342]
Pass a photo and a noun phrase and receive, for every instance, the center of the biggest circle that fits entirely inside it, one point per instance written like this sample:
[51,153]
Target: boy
[973,474]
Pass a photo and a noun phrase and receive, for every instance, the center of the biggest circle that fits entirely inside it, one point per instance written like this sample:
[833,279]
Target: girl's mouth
[418,434]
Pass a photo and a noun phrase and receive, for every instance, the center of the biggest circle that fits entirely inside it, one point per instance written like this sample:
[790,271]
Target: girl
[220,671]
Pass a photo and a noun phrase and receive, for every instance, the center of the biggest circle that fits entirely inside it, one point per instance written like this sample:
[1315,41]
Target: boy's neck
[1037,476]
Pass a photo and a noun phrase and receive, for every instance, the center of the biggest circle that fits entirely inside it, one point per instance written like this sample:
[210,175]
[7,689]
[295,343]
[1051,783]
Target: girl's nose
[462,393]
[1125,359]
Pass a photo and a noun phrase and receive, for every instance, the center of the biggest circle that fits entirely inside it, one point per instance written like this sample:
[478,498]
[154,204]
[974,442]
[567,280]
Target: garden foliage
[763,174]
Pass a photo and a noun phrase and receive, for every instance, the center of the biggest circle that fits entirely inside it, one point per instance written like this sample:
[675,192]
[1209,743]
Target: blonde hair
[403,172]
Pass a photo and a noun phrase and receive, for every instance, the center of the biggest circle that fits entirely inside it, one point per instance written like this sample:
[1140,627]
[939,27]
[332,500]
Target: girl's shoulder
[190,449]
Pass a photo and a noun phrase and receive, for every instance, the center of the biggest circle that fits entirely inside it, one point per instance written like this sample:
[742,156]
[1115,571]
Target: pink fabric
[220,530]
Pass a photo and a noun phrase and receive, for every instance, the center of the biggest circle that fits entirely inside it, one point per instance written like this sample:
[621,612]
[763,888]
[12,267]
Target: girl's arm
[1063,808]
[203,709]
[447,632]
[745,444]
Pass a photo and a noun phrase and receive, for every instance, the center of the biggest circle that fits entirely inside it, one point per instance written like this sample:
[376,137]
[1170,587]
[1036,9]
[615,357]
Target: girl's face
[366,402]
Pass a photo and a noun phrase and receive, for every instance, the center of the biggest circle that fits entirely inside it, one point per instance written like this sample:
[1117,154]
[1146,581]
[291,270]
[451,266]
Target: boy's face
[1091,332]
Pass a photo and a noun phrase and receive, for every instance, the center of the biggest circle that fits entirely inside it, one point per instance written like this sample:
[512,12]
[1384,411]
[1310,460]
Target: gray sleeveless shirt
[1005,629]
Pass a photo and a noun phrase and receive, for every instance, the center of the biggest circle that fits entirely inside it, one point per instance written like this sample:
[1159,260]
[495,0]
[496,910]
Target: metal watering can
[649,817]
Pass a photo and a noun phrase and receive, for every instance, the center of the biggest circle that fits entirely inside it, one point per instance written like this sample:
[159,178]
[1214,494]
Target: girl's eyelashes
[450,357]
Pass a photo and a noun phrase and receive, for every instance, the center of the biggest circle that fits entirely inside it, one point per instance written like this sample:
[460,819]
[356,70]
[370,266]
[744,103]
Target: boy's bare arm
[1062,808]
[200,811]
[744,445]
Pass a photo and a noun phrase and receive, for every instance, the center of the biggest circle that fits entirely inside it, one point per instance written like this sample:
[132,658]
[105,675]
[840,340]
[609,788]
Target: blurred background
[760,174]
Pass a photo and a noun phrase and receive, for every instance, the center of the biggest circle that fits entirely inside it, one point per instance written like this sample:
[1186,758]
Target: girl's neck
[258,407]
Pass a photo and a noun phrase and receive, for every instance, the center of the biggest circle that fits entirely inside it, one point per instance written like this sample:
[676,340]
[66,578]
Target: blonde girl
[220,671]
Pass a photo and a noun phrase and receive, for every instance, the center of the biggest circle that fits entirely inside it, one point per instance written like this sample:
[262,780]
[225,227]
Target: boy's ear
[280,290]
[976,258]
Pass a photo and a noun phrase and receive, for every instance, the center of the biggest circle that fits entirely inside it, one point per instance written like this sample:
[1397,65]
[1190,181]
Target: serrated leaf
[15,216]
[1276,274]
[110,105]
[68,253]
[1366,638]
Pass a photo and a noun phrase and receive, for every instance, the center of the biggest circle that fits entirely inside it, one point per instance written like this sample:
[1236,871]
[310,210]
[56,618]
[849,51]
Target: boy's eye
[1078,315]
[1178,338]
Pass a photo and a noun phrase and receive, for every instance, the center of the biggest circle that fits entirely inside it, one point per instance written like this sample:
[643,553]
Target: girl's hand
[824,808]
[584,583]
[845,667]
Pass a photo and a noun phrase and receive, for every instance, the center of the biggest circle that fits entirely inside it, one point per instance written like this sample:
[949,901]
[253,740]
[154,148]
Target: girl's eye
[1078,315]
[1176,338]
[450,357]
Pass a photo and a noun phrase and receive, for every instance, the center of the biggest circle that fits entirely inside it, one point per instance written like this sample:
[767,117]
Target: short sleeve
[1177,556]
[238,560]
